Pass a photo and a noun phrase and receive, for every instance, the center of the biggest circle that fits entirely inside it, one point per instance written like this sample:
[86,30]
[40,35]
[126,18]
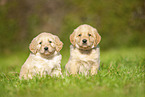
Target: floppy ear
[59,44]
[72,40]
[33,45]
[97,38]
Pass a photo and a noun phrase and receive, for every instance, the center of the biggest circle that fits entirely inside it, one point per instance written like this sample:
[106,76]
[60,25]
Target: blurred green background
[121,23]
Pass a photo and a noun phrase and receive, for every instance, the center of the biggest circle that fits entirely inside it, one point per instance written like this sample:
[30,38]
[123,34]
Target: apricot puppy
[44,58]
[84,51]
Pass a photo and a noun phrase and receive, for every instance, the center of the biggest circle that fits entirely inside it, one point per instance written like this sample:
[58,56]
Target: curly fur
[84,57]
[40,61]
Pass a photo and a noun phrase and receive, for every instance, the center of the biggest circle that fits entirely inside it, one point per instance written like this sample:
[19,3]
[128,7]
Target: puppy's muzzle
[45,48]
[84,41]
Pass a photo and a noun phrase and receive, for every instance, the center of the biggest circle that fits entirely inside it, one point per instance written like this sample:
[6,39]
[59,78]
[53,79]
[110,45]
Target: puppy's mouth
[85,46]
[45,51]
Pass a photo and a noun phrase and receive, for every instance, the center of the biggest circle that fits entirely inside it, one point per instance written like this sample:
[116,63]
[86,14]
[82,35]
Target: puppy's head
[85,37]
[45,44]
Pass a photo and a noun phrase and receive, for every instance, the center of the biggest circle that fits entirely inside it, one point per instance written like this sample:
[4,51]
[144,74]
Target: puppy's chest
[85,55]
[46,63]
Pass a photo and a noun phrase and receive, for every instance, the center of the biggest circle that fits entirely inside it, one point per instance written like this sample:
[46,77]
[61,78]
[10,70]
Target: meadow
[121,75]
[120,24]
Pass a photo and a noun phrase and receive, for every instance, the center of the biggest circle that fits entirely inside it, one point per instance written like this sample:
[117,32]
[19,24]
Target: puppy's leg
[24,72]
[56,72]
[74,67]
[94,69]
[26,76]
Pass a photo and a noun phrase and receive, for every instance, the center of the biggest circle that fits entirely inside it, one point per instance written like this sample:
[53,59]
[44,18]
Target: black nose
[84,40]
[46,48]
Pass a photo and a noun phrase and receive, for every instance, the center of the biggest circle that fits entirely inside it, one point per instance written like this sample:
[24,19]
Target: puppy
[84,51]
[44,58]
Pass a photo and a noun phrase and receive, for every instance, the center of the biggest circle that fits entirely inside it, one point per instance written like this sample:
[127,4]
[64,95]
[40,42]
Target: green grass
[121,75]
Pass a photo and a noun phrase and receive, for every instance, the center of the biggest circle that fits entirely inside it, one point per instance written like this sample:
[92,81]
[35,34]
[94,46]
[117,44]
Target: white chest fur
[41,64]
[85,60]
[91,55]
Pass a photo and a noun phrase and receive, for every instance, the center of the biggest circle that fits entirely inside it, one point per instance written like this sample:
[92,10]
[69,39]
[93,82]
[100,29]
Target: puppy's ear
[97,38]
[33,45]
[59,44]
[72,36]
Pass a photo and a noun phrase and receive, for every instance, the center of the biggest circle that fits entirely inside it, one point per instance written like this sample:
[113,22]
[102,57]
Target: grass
[121,75]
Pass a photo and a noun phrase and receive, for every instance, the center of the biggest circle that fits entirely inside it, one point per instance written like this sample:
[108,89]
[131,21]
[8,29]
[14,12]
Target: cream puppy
[44,58]
[84,51]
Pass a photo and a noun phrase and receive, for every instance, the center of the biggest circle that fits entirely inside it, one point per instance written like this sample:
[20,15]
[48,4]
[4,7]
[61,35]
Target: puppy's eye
[40,42]
[50,41]
[80,35]
[89,34]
